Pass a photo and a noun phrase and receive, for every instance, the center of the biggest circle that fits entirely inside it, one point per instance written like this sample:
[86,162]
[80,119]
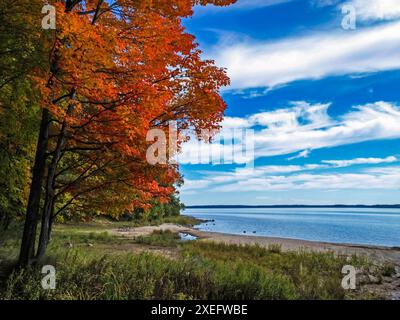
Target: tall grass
[313,275]
[147,276]
[200,270]
[160,238]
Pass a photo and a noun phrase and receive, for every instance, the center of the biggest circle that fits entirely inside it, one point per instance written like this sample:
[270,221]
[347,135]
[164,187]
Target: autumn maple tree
[115,70]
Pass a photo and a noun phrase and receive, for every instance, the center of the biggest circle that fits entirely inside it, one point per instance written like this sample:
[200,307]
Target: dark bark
[50,225]
[27,250]
[70,4]
[45,229]
[50,198]
[97,12]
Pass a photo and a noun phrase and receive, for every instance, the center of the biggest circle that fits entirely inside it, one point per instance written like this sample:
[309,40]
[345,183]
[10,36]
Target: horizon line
[293,205]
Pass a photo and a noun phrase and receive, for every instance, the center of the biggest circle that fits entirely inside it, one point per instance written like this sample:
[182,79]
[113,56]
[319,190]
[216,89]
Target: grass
[313,275]
[160,238]
[182,220]
[105,224]
[200,270]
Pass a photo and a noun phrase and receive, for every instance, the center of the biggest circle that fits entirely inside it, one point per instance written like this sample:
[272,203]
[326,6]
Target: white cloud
[252,64]
[388,180]
[291,177]
[195,185]
[237,182]
[363,123]
[383,170]
[346,163]
[296,129]
[302,154]
[311,116]
[235,123]
[367,10]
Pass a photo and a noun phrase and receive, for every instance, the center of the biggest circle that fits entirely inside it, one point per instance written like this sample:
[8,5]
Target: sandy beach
[378,253]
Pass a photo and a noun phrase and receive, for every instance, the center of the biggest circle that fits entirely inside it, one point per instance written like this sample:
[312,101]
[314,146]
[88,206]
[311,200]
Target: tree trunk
[49,202]
[45,230]
[27,250]
[50,224]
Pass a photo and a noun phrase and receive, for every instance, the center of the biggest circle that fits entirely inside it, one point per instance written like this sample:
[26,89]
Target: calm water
[357,226]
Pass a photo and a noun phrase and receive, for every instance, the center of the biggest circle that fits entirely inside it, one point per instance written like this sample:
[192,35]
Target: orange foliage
[116,71]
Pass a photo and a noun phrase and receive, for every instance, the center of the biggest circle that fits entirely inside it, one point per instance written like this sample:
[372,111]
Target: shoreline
[379,253]
[297,206]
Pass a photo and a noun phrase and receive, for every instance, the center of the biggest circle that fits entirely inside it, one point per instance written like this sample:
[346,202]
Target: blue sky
[322,101]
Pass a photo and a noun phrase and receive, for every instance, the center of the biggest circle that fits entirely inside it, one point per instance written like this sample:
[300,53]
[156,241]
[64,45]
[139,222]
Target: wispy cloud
[302,154]
[368,10]
[240,174]
[273,178]
[252,64]
[346,163]
[303,130]
[359,181]
[302,127]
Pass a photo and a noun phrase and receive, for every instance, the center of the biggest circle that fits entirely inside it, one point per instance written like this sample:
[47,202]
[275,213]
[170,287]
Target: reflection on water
[187,237]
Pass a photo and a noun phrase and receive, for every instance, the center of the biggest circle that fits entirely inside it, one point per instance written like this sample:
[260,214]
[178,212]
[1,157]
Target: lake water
[356,226]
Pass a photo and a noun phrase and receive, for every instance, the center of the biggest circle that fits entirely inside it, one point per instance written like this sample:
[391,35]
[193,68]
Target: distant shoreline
[378,206]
